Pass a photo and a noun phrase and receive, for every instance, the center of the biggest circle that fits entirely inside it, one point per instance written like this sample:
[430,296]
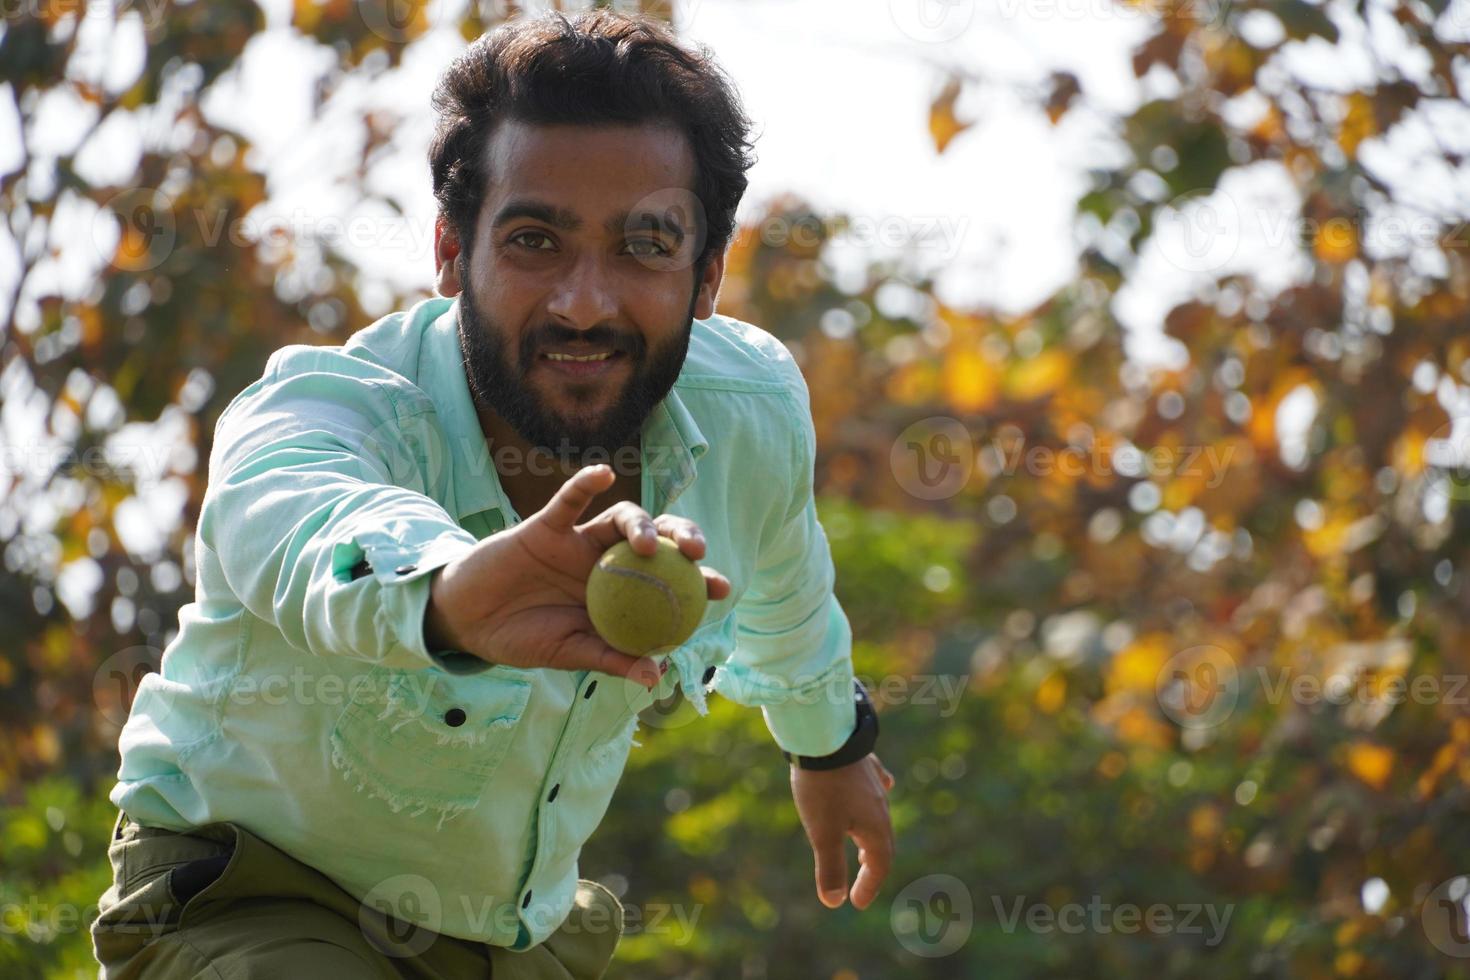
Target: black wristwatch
[858,744]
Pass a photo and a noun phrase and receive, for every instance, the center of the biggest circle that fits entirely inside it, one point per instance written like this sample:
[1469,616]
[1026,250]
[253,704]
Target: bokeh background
[1138,337]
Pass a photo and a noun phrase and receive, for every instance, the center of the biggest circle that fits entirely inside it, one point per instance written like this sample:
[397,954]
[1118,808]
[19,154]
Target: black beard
[501,385]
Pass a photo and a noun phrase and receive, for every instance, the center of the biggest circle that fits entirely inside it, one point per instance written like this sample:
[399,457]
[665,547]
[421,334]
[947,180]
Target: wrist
[439,634]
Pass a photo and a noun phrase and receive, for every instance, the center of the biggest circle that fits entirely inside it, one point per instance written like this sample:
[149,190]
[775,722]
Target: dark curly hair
[599,67]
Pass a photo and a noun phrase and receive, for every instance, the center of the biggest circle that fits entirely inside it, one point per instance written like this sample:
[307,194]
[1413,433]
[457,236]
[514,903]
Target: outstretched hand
[520,596]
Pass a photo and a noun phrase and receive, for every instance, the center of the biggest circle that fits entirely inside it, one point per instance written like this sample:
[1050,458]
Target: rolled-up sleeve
[793,645]
[318,514]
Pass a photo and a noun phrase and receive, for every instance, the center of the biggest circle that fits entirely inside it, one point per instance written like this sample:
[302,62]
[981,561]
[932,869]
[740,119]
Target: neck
[530,475]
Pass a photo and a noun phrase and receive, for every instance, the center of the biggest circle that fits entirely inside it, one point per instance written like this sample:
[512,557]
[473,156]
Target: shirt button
[454,717]
[554,790]
[526,902]
[405,569]
[590,688]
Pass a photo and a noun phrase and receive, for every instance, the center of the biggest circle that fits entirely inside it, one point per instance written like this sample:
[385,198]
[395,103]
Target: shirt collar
[672,440]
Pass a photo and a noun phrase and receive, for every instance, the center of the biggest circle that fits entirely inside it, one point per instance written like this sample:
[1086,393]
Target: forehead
[590,169]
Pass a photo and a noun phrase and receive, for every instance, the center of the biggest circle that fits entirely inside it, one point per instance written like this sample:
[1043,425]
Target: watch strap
[858,744]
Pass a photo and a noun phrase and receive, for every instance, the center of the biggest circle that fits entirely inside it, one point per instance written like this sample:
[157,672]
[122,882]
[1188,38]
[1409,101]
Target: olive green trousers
[219,903]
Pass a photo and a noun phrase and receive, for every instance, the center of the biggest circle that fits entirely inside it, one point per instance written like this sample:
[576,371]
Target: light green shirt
[298,698]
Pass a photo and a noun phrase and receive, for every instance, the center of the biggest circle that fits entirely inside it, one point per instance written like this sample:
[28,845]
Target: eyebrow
[564,219]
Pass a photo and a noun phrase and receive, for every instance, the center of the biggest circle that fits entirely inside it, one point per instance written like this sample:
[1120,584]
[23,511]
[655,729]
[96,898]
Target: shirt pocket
[429,740]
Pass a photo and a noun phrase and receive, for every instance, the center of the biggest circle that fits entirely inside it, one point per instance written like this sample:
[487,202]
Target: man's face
[562,263]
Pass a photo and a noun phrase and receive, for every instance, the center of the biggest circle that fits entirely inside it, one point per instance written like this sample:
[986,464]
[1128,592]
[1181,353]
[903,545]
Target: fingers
[623,521]
[884,776]
[565,507]
[719,586]
[875,854]
[684,532]
[831,870]
[587,651]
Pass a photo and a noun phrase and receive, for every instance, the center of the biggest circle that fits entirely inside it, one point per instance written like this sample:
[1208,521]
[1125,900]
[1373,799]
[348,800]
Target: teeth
[589,357]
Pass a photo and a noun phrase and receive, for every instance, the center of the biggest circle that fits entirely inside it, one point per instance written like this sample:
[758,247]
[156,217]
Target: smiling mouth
[582,365]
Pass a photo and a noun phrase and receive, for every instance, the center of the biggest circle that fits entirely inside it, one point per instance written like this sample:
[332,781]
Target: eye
[658,250]
[520,238]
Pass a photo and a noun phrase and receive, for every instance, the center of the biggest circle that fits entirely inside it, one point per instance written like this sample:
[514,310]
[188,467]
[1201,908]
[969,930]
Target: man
[387,725]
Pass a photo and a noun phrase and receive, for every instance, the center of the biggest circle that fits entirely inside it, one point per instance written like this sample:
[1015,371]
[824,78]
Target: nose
[584,298]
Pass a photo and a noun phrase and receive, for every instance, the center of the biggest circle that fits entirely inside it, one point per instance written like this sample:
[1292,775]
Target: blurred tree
[1128,579]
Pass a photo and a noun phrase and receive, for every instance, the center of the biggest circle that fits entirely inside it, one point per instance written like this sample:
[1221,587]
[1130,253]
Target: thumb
[831,869]
[565,507]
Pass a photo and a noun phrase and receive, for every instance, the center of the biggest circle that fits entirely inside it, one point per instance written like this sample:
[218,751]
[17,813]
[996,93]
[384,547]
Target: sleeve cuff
[816,721]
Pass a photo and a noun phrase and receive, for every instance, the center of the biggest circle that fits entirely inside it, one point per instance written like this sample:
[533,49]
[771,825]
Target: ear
[446,251]
[709,287]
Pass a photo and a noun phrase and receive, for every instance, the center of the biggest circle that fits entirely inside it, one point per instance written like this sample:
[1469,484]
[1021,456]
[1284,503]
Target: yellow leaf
[1373,764]
[1336,241]
[1407,452]
[1039,375]
[1136,667]
[970,380]
[1051,694]
[1358,123]
[943,124]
